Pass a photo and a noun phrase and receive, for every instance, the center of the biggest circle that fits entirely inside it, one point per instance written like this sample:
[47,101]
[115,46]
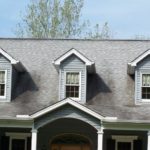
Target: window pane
[145,92]
[2,77]
[148,96]
[72,78]
[72,91]
[146,79]
[143,96]
[2,89]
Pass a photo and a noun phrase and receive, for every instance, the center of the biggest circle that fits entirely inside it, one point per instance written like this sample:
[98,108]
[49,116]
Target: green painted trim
[17,123]
[126,126]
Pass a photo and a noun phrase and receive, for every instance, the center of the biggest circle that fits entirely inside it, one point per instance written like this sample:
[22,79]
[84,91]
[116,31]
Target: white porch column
[148,140]
[100,140]
[34,140]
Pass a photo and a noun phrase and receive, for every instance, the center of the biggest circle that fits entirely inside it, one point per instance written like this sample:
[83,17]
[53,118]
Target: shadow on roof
[95,86]
[23,83]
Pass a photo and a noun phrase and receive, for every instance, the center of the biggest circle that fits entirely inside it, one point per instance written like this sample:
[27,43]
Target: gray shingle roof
[110,90]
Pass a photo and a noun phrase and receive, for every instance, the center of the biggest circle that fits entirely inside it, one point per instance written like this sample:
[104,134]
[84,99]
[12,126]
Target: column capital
[34,130]
[100,131]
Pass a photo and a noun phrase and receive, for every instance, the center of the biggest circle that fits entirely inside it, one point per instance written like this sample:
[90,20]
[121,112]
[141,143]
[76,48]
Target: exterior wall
[141,135]
[142,67]
[6,65]
[73,64]
[65,126]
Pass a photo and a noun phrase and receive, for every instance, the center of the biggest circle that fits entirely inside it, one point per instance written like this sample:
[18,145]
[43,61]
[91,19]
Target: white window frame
[141,74]
[17,136]
[119,138]
[74,98]
[4,96]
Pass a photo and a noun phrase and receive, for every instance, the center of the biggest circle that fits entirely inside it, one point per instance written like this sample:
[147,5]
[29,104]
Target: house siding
[73,64]
[6,65]
[67,111]
[142,67]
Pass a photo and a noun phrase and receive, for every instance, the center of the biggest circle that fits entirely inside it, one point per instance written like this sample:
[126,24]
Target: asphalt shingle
[110,91]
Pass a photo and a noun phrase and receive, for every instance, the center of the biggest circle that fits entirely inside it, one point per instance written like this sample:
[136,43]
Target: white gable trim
[133,64]
[10,58]
[69,53]
[138,59]
[64,102]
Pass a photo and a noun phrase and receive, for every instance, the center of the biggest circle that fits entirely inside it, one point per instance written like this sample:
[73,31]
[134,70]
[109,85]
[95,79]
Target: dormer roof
[17,64]
[133,64]
[9,57]
[87,61]
[73,51]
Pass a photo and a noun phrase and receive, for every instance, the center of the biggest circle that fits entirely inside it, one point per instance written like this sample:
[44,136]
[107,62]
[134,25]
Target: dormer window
[140,67]
[73,68]
[73,84]
[2,83]
[145,89]
[8,69]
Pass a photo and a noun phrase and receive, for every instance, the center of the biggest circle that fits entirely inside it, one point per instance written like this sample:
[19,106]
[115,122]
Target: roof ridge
[71,39]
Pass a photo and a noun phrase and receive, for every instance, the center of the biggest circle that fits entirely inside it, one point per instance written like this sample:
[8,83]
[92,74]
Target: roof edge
[9,57]
[64,102]
[133,64]
[73,39]
[59,60]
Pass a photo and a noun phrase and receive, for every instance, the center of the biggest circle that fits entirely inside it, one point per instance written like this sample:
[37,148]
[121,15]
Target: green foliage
[98,32]
[57,19]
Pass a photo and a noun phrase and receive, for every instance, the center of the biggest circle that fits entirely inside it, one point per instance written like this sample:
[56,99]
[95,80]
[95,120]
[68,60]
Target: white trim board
[58,61]
[124,138]
[133,64]
[10,58]
[17,136]
[64,102]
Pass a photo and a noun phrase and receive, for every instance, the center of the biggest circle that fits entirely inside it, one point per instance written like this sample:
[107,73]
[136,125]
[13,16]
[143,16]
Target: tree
[51,19]
[98,32]
[57,19]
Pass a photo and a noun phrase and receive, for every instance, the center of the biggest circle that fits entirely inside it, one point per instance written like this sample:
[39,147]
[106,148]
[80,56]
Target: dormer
[73,68]
[7,63]
[140,67]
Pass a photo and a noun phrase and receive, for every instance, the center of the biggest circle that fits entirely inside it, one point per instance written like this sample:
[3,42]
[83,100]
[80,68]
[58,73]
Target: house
[64,94]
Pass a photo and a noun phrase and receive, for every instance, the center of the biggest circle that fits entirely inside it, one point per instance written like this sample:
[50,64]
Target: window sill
[75,99]
[142,101]
[2,97]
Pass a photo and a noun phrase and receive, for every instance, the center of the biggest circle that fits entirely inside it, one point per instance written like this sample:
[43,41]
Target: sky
[126,18]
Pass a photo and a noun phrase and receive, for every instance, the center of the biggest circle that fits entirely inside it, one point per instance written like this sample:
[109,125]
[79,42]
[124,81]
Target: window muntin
[2,82]
[145,89]
[72,84]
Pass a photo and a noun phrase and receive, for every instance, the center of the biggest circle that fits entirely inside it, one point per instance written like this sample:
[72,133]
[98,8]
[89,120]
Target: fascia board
[73,51]
[67,101]
[137,60]
[10,58]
